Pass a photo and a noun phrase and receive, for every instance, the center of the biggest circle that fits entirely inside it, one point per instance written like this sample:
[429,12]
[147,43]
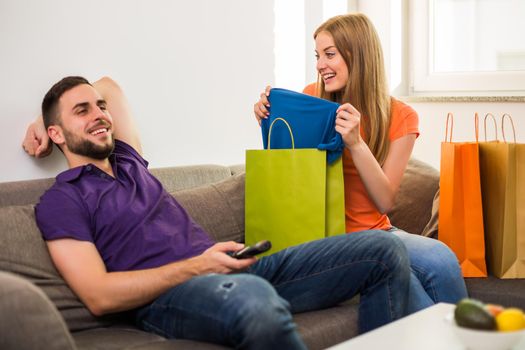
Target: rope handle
[495,126]
[476,126]
[270,132]
[503,127]
[450,117]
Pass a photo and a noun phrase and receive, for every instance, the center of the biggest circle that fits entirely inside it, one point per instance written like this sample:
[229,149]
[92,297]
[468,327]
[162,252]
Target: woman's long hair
[366,89]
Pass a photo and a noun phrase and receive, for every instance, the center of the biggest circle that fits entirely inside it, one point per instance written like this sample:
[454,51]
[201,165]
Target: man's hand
[36,142]
[216,260]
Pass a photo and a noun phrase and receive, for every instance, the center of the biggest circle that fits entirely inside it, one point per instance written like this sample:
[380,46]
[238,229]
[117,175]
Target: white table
[424,330]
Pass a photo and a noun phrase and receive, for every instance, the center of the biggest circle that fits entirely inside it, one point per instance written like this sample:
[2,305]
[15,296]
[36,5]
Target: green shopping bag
[335,199]
[292,196]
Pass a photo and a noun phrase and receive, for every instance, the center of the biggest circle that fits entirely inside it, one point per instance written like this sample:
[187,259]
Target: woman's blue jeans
[252,310]
[436,274]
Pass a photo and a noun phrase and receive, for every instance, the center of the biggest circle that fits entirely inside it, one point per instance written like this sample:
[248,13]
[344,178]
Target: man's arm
[124,127]
[106,292]
[36,142]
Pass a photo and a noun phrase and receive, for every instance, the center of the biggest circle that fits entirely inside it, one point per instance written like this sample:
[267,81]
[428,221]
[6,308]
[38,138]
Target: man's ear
[56,134]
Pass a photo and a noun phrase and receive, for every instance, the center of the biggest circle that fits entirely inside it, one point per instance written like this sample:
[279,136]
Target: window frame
[424,82]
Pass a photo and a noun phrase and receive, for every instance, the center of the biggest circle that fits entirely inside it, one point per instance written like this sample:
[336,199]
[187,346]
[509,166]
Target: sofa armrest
[28,319]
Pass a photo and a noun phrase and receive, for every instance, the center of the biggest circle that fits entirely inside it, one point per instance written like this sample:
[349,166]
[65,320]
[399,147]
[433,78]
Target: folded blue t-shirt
[311,119]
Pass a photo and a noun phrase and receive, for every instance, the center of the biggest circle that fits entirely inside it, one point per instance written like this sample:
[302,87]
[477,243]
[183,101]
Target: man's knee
[261,313]
[258,297]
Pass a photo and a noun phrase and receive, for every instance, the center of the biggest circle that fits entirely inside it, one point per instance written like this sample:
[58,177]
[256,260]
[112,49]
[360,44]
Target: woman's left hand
[347,123]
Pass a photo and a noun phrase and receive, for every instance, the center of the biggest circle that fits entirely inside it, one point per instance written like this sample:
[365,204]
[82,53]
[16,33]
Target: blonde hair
[366,89]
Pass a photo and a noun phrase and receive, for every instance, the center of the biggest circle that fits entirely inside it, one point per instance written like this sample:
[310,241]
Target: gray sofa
[38,310]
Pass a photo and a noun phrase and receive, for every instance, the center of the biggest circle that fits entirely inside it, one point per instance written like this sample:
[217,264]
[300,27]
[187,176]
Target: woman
[379,134]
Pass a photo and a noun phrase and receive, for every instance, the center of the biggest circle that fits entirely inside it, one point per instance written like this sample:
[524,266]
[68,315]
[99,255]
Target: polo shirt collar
[74,173]
[70,174]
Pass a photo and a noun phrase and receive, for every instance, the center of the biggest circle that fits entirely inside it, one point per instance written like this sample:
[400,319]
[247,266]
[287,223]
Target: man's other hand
[36,142]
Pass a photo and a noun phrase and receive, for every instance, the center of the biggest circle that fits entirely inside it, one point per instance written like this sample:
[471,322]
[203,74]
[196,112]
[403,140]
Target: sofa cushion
[29,319]
[413,206]
[24,252]
[127,337]
[431,229]
[218,208]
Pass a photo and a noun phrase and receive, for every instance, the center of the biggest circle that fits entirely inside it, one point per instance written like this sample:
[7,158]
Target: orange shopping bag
[460,224]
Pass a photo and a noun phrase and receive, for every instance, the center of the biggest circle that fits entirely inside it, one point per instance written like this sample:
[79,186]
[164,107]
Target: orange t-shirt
[361,212]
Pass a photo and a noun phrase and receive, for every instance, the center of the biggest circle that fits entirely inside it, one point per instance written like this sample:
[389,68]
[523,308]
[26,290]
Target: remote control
[250,251]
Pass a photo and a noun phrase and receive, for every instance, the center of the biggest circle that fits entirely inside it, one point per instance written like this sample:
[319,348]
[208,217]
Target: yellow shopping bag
[502,166]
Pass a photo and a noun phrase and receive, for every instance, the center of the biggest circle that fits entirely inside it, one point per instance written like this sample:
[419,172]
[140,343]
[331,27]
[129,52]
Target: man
[123,243]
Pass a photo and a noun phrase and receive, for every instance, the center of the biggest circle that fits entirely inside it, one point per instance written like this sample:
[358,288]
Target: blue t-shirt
[311,119]
[132,220]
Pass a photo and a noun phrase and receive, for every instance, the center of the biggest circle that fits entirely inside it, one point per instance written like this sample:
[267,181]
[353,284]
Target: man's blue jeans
[252,310]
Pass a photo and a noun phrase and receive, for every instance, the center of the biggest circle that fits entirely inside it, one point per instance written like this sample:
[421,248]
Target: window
[467,47]
[295,23]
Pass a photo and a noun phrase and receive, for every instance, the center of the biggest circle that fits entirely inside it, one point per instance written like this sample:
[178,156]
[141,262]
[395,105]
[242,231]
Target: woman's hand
[36,142]
[347,123]
[260,108]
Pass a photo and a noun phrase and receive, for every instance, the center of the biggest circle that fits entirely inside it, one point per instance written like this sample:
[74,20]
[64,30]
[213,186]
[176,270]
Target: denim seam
[431,285]
[156,329]
[390,303]
[182,309]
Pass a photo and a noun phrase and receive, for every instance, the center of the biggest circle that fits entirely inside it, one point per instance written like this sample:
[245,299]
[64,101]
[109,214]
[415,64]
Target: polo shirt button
[102,176]
[88,167]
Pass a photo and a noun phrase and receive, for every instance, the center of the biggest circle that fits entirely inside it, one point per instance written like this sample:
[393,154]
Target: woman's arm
[381,183]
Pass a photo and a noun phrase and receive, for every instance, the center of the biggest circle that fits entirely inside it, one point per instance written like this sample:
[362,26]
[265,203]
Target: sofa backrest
[173,179]
[213,196]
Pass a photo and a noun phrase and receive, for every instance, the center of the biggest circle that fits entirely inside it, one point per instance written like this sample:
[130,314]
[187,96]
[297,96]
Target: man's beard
[87,148]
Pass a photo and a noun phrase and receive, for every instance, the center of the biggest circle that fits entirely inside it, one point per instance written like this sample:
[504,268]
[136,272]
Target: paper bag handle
[503,127]
[495,125]
[476,126]
[450,117]
[270,132]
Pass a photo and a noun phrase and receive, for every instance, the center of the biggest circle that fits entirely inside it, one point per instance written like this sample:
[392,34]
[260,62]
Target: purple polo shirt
[132,220]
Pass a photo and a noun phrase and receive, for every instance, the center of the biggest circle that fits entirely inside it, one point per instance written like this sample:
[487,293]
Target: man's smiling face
[85,123]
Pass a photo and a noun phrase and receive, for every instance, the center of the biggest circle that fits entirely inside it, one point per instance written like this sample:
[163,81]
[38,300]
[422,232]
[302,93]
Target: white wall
[432,120]
[191,69]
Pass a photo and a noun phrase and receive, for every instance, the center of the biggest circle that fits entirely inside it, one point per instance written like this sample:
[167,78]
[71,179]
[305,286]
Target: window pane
[478,35]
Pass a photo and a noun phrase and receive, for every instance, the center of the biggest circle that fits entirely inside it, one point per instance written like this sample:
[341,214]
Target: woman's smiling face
[330,64]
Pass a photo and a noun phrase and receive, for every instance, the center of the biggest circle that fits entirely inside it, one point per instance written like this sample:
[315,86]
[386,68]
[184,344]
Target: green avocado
[471,313]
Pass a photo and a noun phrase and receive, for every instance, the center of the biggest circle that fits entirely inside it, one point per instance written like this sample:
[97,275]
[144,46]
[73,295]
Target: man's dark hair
[50,102]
